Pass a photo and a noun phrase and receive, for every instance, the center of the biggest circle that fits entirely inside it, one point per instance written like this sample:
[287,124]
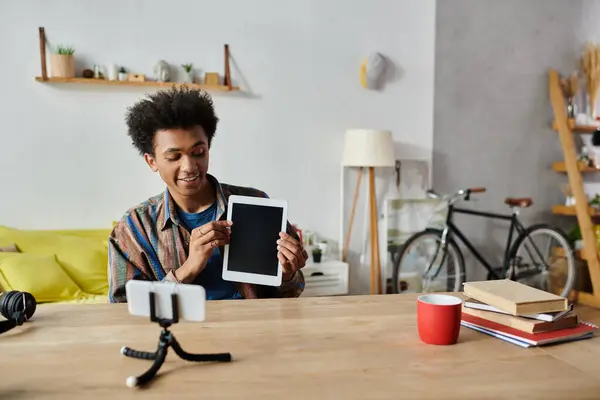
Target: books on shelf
[522,315]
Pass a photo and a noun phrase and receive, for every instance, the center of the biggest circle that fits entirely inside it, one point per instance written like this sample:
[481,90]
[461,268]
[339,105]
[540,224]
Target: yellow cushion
[100,235]
[40,275]
[84,259]
[12,248]
[89,299]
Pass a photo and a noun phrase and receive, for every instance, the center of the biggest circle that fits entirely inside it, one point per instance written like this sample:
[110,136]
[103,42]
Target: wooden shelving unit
[578,129]
[572,210]
[560,166]
[44,78]
[582,211]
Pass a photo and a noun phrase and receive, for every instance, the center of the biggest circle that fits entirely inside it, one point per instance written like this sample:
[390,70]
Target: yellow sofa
[56,266]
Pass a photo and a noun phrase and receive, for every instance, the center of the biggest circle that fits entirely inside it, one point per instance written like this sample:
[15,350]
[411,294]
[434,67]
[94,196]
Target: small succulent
[65,50]
[317,250]
[187,67]
[122,70]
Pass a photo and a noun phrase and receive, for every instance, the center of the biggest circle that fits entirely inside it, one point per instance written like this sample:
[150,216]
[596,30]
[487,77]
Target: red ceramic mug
[438,318]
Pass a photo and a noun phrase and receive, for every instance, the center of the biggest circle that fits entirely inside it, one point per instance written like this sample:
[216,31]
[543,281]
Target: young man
[179,235]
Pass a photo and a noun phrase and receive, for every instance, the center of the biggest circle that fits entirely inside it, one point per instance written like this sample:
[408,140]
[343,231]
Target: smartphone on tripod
[189,302]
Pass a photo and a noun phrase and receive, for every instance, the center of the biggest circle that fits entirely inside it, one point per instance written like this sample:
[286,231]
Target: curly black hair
[176,108]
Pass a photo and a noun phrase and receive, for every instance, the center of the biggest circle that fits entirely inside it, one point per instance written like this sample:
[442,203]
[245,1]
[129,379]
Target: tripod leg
[144,355]
[147,376]
[218,357]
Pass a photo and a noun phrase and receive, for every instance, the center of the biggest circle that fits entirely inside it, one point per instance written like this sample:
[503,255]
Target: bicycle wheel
[424,266]
[542,257]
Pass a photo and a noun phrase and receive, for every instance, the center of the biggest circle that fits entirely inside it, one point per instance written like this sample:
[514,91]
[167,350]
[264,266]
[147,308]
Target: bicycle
[542,272]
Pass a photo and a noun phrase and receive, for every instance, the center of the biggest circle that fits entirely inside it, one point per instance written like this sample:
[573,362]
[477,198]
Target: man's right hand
[203,242]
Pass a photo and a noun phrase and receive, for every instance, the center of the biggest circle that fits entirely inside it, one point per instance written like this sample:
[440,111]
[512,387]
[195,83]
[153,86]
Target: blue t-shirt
[211,276]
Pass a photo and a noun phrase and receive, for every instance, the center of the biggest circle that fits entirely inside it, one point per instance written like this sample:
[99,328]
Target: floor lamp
[368,148]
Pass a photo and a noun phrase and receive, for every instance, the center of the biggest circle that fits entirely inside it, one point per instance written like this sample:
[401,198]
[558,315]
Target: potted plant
[189,71]
[62,62]
[574,237]
[316,253]
[122,74]
[323,246]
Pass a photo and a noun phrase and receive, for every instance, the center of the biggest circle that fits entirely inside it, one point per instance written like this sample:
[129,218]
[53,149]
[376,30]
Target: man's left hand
[291,255]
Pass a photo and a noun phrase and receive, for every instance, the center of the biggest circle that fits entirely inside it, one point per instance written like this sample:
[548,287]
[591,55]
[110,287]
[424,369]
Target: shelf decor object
[570,87]
[45,78]
[590,65]
[367,148]
[581,209]
[62,63]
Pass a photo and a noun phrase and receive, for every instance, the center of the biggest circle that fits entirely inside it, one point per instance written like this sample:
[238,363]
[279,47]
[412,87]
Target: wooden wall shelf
[581,129]
[571,210]
[225,87]
[560,166]
[93,81]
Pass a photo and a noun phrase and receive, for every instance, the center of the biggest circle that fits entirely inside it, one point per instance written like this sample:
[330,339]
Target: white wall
[68,163]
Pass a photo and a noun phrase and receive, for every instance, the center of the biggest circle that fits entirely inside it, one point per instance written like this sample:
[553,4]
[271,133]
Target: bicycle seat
[523,202]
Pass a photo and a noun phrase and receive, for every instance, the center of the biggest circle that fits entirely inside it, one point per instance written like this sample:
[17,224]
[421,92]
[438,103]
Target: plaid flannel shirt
[149,242]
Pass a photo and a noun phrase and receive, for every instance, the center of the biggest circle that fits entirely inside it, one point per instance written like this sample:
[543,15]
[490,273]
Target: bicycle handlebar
[476,190]
[462,193]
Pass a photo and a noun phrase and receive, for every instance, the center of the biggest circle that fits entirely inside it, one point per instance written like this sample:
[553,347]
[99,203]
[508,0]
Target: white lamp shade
[368,148]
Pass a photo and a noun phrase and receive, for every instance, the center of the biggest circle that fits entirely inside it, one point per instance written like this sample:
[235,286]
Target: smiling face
[181,159]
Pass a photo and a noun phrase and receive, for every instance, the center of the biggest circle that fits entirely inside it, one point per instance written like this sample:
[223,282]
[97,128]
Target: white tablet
[251,255]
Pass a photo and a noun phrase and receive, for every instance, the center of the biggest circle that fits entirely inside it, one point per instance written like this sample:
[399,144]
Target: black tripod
[166,340]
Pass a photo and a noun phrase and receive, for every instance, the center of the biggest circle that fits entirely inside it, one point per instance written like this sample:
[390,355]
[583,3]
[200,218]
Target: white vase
[112,71]
[122,76]
[189,77]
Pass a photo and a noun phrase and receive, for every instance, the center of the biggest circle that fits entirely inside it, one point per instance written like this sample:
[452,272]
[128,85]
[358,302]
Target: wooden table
[358,347]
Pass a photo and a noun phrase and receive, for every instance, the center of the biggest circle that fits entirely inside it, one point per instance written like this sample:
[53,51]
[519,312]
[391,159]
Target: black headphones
[17,307]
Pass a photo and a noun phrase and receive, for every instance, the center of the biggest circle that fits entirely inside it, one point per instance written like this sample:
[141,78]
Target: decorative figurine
[162,71]
[88,73]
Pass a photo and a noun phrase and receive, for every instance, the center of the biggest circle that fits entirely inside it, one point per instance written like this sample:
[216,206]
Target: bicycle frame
[451,230]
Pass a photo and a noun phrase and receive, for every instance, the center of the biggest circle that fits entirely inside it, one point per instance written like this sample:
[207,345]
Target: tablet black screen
[254,234]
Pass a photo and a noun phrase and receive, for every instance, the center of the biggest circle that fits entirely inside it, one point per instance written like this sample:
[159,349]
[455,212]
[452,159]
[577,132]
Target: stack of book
[521,315]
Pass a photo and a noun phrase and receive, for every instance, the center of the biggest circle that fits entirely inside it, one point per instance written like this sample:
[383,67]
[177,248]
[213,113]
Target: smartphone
[191,300]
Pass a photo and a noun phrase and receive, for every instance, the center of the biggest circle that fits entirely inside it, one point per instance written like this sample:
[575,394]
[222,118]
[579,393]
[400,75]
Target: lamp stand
[375,262]
[374,230]
[347,244]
